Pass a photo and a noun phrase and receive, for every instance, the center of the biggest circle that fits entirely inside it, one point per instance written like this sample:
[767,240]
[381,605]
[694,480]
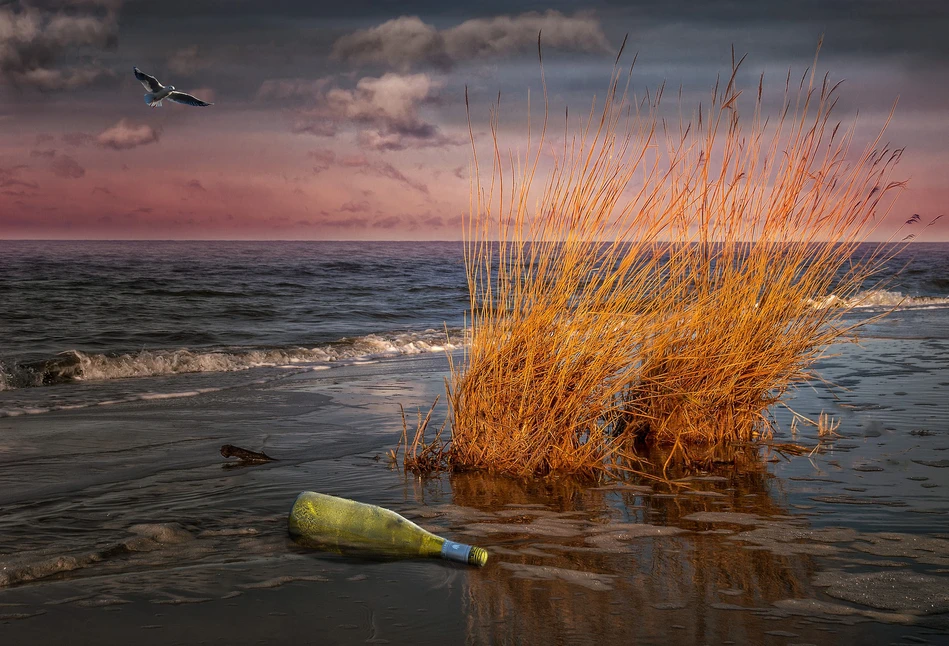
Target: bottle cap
[478,556]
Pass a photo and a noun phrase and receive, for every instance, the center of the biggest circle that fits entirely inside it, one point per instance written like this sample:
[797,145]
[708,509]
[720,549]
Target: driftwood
[245,456]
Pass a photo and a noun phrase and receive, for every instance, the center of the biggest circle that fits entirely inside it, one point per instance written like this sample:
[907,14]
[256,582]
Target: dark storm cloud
[49,45]
[416,30]
[916,27]
[912,30]
[67,5]
[283,50]
[334,13]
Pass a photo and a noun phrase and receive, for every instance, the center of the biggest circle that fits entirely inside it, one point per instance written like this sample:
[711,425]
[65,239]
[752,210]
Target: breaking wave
[74,365]
[879,298]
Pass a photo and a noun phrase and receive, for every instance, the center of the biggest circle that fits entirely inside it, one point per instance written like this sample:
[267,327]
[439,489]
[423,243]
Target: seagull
[157,92]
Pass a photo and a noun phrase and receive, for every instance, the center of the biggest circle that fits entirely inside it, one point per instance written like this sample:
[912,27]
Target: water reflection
[641,559]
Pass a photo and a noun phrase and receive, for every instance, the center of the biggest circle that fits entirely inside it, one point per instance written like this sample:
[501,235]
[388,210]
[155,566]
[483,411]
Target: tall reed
[661,284]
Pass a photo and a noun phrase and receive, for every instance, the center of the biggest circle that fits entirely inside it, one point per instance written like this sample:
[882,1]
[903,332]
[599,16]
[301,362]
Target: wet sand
[122,523]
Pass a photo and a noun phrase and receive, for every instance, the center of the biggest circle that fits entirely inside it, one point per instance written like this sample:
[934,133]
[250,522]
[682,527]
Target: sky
[347,120]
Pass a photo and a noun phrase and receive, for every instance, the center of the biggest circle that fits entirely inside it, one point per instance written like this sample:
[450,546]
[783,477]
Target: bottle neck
[456,551]
[462,553]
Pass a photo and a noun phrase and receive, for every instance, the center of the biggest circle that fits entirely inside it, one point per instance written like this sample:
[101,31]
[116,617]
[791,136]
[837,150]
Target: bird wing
[150,82]
[187,99]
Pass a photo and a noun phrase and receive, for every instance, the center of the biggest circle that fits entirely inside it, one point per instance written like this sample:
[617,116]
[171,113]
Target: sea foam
[880,298]
[74,365]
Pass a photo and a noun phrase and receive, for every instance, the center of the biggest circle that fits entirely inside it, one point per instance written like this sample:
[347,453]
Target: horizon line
[363,240]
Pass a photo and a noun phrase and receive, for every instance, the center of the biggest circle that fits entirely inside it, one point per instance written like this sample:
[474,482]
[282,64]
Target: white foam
[16,412]
[36,410]
[883,299]
[151,396]
[167,362]
[154,363]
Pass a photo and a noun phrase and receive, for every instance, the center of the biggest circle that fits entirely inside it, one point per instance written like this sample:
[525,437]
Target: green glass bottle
[321,520]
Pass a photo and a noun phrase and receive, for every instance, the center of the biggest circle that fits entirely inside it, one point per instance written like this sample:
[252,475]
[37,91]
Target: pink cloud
[355,207]
[385,110]
[10,179]
[391,222]
[124,136]
[346,223]
[382,169]
[323,159]
[66,167]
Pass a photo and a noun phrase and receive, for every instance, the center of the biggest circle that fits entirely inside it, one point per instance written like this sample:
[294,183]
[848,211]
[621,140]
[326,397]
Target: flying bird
[158,92]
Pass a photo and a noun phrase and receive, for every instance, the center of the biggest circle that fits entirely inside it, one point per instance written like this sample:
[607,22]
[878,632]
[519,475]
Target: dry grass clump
[771,223]
[661,284]
[421,455]
[553,331]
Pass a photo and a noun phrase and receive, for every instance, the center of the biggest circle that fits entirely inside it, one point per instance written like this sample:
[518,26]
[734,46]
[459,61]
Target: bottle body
[321,520]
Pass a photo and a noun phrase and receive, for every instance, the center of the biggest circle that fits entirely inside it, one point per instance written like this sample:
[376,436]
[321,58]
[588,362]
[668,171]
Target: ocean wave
[74,365]
[881,298]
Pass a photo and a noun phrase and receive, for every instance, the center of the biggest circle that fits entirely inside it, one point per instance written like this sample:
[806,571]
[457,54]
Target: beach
[120,521]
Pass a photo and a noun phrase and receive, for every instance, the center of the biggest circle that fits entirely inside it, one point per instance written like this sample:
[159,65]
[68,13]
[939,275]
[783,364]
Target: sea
[125,366]
[80,315]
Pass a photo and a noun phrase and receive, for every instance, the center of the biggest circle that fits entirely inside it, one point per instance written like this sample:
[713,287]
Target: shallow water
[125,518]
